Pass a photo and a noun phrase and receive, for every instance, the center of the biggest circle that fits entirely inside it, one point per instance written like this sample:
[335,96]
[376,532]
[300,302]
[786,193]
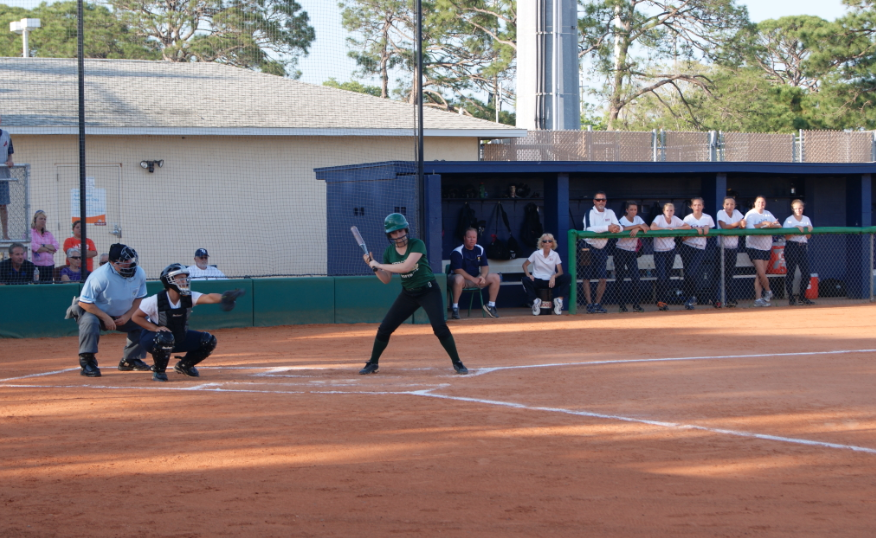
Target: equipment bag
[532,229]
[467,219]
[498,249]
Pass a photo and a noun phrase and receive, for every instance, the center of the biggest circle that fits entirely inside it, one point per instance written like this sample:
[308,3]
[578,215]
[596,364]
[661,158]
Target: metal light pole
[23,28]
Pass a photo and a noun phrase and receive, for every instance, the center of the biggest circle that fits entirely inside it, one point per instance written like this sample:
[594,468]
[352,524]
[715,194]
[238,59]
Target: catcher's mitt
[229,299]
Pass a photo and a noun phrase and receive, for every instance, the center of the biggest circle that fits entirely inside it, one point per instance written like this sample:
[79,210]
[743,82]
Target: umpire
[109,298]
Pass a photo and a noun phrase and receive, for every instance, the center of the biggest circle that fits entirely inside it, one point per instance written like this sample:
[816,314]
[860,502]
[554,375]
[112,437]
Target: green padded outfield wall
[293,301]
[36,311]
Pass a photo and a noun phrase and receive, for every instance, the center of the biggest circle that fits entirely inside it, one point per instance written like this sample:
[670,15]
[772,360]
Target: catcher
[165,318]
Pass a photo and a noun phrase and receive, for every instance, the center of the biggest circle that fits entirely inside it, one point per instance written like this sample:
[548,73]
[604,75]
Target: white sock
[491,303]
[455,305]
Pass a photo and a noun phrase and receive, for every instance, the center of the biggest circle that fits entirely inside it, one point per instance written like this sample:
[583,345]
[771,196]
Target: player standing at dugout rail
[109,298]
[693,250]
[598,220]
[407,257]
[6,152]
[797,253]
[165,320]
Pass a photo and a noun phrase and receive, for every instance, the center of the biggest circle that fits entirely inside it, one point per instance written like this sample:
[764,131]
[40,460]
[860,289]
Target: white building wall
[253,202]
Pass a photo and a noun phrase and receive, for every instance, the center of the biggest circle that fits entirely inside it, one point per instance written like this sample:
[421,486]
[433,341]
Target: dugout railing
[840,270]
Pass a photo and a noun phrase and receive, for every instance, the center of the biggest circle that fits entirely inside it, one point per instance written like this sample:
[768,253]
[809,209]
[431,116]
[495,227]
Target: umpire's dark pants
[89,335]
[429,298]
[561,286]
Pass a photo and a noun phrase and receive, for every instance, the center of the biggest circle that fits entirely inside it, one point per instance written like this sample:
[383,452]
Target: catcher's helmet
[123,254]
[168,278]
[395,221]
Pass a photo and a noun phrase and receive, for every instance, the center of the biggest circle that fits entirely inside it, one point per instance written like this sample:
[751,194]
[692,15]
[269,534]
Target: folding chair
[475,290]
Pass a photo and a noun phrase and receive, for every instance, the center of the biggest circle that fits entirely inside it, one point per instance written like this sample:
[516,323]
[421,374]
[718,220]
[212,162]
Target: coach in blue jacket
[468,269]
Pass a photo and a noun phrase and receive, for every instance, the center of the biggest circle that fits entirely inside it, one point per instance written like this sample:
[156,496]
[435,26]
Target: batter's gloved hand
[229,298]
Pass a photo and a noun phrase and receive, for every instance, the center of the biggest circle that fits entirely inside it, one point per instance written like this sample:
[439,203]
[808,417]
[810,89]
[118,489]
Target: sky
[328,55]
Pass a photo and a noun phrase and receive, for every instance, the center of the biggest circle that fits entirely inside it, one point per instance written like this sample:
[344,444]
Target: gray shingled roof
[40,96]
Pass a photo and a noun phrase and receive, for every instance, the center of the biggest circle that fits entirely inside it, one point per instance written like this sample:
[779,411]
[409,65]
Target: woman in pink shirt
[43,245]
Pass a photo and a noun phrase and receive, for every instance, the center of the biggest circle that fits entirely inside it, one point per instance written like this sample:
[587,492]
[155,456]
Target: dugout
[835,195]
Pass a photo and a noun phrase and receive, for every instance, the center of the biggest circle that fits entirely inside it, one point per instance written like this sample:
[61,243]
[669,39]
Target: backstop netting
[663,270]
[258,131]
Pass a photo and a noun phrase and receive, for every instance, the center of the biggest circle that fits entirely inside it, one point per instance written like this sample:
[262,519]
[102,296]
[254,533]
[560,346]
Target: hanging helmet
[395,221]
[125,255]
[168,278]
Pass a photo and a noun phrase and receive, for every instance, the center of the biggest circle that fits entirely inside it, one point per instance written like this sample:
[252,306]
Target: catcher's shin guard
[163,343]
[207,345]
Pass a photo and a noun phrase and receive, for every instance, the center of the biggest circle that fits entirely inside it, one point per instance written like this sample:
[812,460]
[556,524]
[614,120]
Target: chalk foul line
[658,423]
[488,370]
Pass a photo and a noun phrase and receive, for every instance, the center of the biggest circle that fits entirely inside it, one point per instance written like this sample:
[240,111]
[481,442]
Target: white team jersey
[732,241]
[753,219]
[792,222]
[543,268]
[665,244]
[629,244]
[704,221]
[149,305]
[210,273]
[599,223]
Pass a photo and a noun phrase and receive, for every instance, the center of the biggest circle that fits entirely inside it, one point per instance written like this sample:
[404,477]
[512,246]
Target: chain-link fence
[14,206]
[670,146]
[679,269]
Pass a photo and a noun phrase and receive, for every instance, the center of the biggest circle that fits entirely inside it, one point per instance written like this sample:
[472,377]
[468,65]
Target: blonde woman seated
[547,272]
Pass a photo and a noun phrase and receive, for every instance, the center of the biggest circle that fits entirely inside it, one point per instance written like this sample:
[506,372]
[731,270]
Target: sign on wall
[95,204]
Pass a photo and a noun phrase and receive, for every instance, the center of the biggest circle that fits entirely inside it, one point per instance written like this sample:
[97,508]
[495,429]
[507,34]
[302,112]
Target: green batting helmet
[395,221]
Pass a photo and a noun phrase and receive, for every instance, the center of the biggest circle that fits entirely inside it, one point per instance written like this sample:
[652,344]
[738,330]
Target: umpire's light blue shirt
[112,293]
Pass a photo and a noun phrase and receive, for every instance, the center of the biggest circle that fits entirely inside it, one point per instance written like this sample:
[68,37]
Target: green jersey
[421,273]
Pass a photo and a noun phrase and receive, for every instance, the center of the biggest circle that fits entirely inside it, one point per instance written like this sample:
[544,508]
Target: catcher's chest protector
[175,319]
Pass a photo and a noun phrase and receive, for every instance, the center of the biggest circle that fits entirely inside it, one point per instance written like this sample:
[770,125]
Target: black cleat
[805,300]
[454,313]
[491,311]
[792,301]
[638,308]
[134,364]
[622,308]
[88,363]
[181,368]
[460,368]
[370,368]
[159,376]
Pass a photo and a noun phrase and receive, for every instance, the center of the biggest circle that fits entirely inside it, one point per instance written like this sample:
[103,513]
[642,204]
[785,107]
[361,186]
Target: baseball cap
[201,252]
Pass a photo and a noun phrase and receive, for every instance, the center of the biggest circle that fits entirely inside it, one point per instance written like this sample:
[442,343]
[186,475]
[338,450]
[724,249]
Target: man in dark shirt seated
[16,270]
[468,269]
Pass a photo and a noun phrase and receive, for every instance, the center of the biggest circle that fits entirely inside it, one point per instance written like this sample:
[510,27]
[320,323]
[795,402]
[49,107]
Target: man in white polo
[202,270]
[598,220]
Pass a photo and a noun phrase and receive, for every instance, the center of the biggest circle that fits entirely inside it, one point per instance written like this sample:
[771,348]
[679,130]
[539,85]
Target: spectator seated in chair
[16,270]
[547,272]
[469,268]
[74,272]
[202,270]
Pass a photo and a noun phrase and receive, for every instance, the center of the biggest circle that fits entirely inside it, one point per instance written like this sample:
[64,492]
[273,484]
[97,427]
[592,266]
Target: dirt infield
[567,426]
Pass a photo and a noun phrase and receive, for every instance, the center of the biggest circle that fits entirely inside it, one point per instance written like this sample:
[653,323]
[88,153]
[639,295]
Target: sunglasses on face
[599,199]
[75,257]
[547,241]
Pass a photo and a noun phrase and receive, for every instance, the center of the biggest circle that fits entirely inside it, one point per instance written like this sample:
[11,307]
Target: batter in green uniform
[407,258]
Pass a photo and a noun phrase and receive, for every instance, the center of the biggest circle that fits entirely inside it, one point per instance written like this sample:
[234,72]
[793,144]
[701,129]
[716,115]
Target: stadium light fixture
[150,165]
[23,28]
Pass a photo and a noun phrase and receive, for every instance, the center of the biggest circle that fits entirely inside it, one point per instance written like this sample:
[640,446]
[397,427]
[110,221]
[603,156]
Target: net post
[82,186]
[573,271]
[723,275]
